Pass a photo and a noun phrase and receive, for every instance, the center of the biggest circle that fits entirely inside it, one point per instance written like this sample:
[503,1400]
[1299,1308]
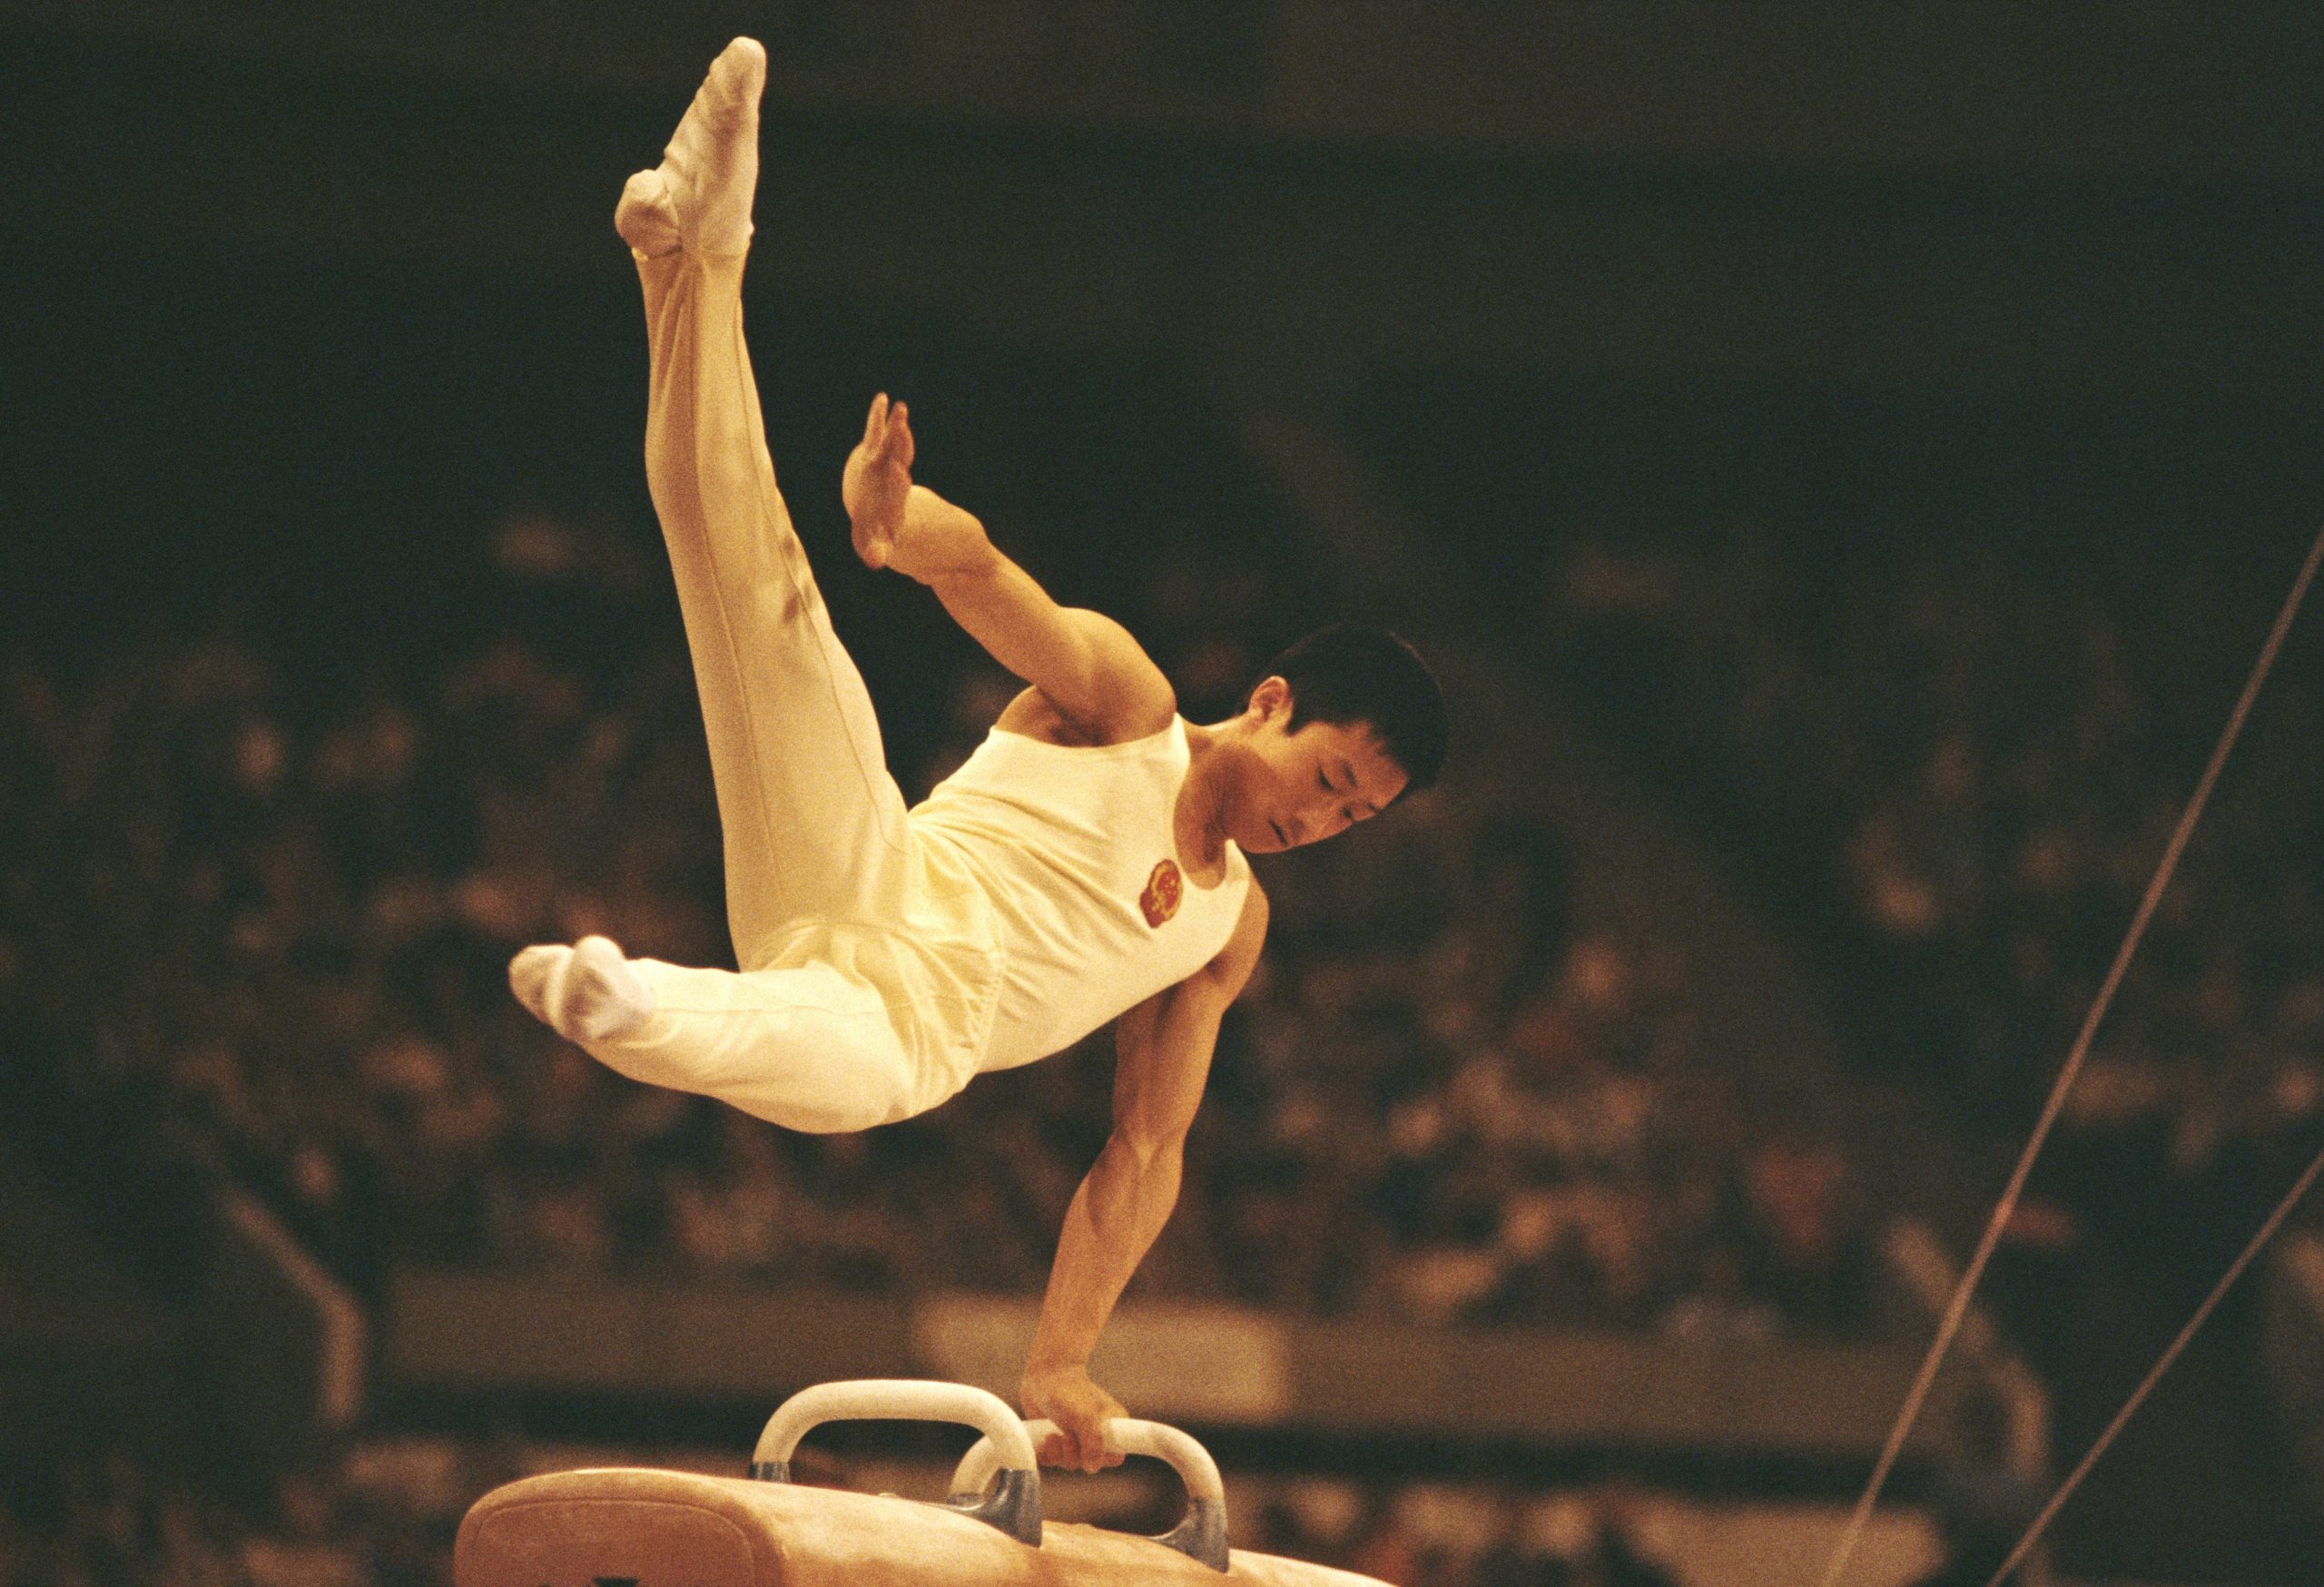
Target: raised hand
[876,482]
[898,524]
[1066,1397]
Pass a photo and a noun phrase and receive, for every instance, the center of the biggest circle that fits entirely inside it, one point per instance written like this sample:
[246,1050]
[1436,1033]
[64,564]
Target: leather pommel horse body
[636,1527]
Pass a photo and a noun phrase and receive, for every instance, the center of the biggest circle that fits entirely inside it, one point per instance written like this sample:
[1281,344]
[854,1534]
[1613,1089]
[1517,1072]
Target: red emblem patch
[1163,890]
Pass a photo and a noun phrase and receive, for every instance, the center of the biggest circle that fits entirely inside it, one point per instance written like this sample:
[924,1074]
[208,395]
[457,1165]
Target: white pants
[810,1036]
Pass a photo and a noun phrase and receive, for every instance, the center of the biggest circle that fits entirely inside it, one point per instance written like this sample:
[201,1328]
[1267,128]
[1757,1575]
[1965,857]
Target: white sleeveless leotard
[1074,849]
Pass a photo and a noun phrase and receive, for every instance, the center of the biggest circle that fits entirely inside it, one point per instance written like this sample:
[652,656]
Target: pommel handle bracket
[1201,1536]
[1014,1505]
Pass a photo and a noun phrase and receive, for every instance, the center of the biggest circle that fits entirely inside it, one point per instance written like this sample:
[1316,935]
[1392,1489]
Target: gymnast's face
[1295,788]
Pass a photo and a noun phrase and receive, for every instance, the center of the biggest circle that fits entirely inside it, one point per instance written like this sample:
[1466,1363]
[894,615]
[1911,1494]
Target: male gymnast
[1085,865]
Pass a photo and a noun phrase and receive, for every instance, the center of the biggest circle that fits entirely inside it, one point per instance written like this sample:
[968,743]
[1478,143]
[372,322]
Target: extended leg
[813,823]
[814,826]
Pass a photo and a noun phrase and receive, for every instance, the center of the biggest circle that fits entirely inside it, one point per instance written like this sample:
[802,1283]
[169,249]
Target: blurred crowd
[116,1519]
[271,903]
[1963,762]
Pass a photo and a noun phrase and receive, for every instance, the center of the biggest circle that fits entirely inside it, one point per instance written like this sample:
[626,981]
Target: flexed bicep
[1163,1050]
[1167,1043]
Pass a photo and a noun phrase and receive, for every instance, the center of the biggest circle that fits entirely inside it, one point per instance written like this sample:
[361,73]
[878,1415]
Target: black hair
[1349,675]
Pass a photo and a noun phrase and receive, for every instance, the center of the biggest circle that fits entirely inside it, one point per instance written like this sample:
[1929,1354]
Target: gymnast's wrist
[1040,1368]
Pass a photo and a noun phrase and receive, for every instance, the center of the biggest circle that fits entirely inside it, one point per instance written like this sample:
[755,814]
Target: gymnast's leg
[813,823]
[806,1046]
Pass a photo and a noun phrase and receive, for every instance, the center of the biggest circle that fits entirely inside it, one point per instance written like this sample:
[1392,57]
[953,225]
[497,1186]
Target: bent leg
[813,823]
[802,1047]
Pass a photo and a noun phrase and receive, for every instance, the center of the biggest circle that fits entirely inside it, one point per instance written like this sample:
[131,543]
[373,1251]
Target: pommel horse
[640,1527]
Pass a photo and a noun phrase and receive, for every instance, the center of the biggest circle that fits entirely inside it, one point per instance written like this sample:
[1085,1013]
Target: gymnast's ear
[1270,698]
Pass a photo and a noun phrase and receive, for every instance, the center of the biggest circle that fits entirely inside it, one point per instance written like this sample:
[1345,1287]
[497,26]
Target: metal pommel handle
[1201,1536]
[1015,1507]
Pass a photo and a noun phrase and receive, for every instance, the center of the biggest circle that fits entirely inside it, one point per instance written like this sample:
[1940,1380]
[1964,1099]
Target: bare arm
[1165,1047]
[1085,663]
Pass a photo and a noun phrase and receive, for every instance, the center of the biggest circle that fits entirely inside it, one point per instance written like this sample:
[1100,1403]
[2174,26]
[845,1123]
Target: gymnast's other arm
[1087,664]
[1165,1046]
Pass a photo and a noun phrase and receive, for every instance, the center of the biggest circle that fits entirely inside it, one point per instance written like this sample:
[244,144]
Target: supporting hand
[1066,1397]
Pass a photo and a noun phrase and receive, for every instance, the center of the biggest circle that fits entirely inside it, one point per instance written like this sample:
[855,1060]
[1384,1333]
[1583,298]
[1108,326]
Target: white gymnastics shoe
[699,197]
[588,993]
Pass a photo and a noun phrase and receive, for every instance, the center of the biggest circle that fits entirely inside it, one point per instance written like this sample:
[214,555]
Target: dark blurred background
[1842,458]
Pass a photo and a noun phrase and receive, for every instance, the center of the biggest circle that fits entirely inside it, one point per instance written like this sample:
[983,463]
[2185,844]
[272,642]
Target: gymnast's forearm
[1084,661]
[1005,610]
[1114,1220]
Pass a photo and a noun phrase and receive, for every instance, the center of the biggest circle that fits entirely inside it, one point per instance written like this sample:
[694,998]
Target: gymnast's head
[1341,726]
